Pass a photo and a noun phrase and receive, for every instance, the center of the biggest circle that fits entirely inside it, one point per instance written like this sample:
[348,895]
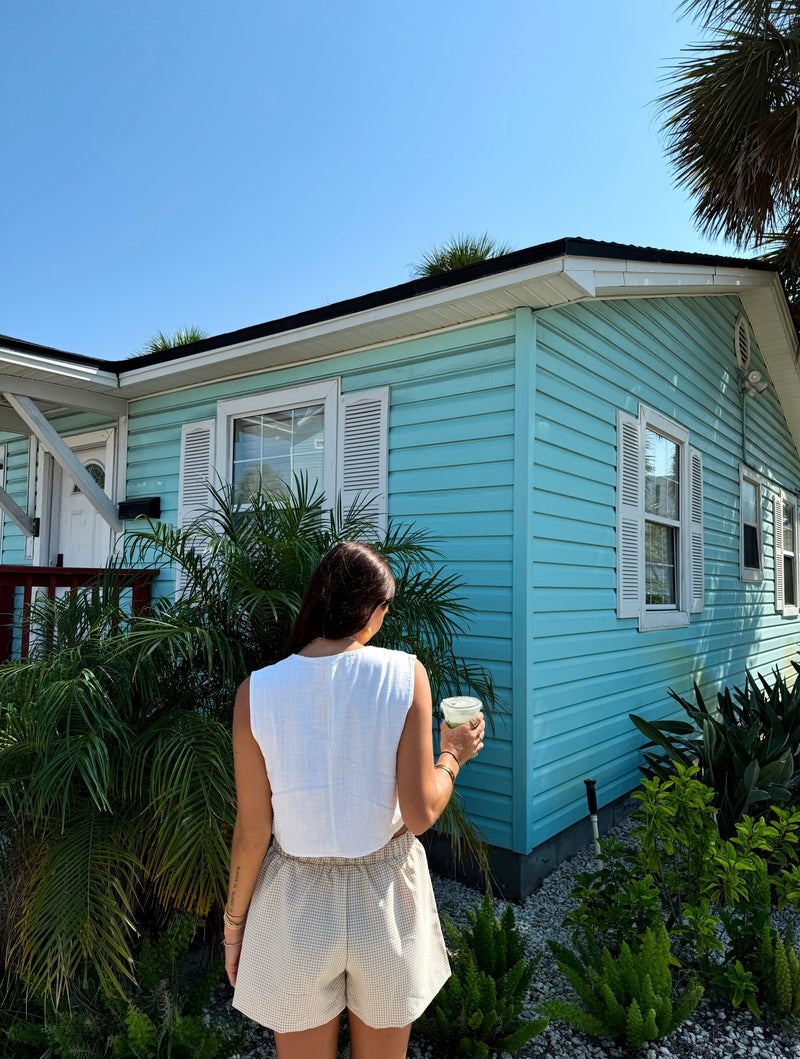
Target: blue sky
[225,163]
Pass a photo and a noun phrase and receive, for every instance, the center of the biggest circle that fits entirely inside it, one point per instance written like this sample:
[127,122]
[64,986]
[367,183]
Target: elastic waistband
[394,848]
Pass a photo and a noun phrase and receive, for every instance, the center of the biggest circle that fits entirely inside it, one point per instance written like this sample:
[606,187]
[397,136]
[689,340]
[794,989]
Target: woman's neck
[321,646]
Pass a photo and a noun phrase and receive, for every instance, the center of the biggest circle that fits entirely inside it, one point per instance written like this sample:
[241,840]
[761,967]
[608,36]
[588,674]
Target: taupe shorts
[327,933]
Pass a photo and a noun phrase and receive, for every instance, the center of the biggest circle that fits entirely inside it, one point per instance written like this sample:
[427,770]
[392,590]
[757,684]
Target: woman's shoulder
[388,655]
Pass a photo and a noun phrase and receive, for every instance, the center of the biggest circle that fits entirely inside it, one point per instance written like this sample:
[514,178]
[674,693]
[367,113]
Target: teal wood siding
[17,485]
[591,669]
[450,467]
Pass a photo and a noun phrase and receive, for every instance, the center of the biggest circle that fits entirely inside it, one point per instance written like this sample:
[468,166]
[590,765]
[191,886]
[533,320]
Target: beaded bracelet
[448,770]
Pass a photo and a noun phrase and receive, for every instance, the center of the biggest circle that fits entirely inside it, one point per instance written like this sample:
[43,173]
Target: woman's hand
[466,740]
[233,949]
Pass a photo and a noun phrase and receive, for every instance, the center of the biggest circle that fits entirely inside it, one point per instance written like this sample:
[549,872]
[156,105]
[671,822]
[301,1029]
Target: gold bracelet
[231,923]
[448,770]
[237,942]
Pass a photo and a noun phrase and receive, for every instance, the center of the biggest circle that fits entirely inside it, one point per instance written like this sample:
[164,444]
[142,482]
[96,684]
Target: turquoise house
[604,437]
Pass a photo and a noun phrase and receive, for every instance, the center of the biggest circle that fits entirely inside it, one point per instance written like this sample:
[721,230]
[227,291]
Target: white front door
[84,536]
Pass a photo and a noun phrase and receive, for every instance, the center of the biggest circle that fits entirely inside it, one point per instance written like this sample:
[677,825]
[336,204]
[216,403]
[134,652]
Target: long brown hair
[350,582]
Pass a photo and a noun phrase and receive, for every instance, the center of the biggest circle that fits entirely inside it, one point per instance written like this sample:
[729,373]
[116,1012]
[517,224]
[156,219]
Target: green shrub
[479,1008]
[713,895]
[630,997]
[747,746]
[160,1017]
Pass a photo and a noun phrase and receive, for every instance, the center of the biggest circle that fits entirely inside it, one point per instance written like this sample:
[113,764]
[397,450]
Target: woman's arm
[423,789]
[253,828]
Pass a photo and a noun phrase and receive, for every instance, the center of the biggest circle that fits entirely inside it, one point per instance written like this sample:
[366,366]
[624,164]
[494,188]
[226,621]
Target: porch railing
[14,611]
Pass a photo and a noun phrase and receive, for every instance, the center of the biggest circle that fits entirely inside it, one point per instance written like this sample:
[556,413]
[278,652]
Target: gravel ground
[713,1032]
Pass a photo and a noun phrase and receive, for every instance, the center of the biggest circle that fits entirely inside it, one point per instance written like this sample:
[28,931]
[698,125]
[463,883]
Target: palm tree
[458,252]
[182,336]
[732,124]
[116,775]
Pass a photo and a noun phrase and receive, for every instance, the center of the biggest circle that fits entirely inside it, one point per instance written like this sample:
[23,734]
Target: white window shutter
[696,561]
[630,517]
[196,470]
[362,452]
[777,511]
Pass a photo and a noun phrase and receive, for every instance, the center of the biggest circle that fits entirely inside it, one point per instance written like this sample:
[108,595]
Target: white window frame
[781,499]
[751,573]
[631,519]
[325,393]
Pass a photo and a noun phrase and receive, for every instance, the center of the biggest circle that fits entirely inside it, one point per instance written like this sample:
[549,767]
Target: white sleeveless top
[329,729]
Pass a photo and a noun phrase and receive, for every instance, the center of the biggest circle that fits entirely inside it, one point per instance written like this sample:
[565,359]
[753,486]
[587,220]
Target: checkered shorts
[325,933]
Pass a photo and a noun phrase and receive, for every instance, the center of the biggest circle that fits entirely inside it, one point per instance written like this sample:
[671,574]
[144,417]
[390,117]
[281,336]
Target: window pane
[789,598]
[662,476]
[788,528]
[751,550]
[271,449]
[660,572]
[749,502]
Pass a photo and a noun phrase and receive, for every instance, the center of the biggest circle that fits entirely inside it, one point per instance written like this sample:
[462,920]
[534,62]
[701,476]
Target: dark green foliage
[458,252]
[747,746]
[629,997]
[479,1008]
[159,1017]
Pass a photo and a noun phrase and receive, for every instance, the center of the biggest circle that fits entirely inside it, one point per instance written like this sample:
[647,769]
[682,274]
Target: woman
[333,753]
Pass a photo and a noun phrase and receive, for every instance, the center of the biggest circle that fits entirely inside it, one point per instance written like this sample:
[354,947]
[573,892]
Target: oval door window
[97,471]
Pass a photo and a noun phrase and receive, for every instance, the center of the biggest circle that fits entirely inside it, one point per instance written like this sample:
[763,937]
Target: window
[339,441]
[659,522]
[268,440]
[786,568]
[751,567]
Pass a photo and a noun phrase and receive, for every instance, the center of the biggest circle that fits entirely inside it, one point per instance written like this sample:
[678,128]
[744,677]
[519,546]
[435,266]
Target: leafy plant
[630,997]
[746,747]
[714,895]
[458,252]
[159,1017]
[113,787]
[479,1008]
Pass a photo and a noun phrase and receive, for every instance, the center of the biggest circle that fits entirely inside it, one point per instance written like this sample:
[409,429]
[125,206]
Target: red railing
[51,578]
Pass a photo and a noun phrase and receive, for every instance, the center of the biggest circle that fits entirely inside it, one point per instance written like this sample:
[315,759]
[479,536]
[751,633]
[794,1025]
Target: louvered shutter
[363,430]
[197,466]
[777,510]
[696,560]
[630,517]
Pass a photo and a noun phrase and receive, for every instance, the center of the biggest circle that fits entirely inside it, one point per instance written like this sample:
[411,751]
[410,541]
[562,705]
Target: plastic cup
[459,709]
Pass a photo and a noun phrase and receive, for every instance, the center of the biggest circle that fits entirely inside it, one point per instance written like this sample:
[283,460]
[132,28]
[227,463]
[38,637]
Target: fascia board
[64,369]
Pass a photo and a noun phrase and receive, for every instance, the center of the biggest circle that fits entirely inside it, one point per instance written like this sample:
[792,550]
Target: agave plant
[116,773]
[747,747]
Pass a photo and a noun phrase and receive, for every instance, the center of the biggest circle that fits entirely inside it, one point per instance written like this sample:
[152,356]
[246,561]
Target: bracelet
[452,755]
[448,770]
[237,942]
[231,923]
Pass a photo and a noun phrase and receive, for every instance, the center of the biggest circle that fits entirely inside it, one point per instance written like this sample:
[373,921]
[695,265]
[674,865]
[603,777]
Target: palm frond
[183,767]
[78,908]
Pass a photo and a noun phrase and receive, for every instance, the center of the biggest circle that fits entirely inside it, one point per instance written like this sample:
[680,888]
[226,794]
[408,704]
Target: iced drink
[459,709]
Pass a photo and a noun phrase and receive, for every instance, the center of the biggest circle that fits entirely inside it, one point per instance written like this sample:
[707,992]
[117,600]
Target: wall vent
[741,340]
